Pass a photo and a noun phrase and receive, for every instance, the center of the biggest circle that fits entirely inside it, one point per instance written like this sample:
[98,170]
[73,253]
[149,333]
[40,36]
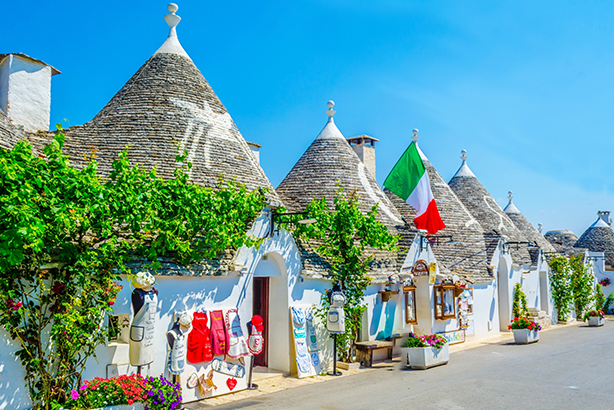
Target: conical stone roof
[166,105]
[599,237]
[526,227]
[9,133]
[469,256]
[487,211]
[562,240]
[328,164]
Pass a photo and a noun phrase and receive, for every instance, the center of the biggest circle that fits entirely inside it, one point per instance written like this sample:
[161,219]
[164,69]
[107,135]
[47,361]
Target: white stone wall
[25,93]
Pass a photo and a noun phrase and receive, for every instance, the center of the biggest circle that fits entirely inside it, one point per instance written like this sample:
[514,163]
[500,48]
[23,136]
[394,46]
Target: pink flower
[74,395]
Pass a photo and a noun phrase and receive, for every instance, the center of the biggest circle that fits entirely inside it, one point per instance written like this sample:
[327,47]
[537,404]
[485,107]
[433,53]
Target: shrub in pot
[595,318]
[133,392]
[423,352]
[525,330]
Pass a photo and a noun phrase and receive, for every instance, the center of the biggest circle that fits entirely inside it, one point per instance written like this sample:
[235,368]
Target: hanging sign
[421,268]
[433,273]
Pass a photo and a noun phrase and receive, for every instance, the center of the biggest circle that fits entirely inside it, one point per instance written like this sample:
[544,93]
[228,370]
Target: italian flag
[410,181]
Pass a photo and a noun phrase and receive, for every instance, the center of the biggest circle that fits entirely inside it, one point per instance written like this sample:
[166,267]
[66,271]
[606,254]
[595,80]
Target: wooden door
[261,307]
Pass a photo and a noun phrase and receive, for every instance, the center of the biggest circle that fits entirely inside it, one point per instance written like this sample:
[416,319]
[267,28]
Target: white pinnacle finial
[415,138]
[172,45]
[464,155]
[510,195]
[540,227]
[330,110]
[172,19]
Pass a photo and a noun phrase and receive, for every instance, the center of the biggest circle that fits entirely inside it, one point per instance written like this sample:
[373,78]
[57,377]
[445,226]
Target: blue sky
[524,86]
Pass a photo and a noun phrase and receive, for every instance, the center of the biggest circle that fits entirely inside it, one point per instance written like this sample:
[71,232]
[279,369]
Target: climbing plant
[519,304]
[342,236]
[66,235]
[599,298]
[582,284]
[560,285]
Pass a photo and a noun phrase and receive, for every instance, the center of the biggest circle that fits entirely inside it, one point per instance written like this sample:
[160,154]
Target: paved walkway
[571,367]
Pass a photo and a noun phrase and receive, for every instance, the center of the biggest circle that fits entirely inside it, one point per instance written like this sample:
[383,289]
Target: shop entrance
[261,307]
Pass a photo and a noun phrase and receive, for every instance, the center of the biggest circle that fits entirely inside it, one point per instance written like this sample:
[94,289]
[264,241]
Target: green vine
[582,282]
[519,305]
[343,236]
[599,298]
[560,285]
[66,236]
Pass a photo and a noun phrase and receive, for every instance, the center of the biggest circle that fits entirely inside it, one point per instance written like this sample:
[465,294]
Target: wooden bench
[364,350]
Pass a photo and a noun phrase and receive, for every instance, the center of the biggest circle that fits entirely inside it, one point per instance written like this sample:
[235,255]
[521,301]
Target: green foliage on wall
[66,235]
[343,235]
[519,305]
[560,286]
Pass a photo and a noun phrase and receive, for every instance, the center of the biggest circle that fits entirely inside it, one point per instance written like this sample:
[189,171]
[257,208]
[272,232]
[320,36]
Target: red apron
[219,336]
[199,340]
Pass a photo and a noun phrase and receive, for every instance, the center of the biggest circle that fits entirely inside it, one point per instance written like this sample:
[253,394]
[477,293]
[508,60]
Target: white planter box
[135,406]
[424,357]
[596,321]
[525,336]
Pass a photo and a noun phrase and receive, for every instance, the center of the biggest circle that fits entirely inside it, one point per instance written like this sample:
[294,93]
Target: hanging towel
[237,346]
[312,341]
[219,337]
[199,340]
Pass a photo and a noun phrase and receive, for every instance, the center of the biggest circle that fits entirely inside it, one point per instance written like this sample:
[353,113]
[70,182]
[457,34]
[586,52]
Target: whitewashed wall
[27,97]
[282,265]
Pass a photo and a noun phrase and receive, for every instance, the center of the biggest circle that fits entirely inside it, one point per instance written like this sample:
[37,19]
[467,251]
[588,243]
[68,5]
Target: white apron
[237,346]
[335,322]
[176,355]
[142,331]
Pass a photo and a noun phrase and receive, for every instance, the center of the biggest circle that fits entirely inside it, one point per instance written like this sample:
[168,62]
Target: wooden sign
[421,268]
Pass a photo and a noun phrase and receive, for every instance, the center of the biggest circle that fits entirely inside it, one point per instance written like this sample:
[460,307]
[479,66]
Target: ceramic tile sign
[306,348]
[454,336]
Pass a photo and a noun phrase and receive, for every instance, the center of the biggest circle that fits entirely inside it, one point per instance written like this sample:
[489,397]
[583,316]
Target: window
[410,305]
[445,308]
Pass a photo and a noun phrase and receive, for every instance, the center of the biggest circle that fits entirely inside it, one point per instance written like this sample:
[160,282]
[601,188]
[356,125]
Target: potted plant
[605,281]
[595,318]
[126,393]
[423,352]
[525,330]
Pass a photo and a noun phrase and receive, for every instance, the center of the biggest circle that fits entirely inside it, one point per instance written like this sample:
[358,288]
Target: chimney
[25,90]
[364,147]
[255,150]
[605,217]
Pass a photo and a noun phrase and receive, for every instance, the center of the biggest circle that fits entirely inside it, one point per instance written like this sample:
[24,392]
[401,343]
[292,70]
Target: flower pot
[596,321]
[525,336]
[135,406]
[424,357]
[385,295]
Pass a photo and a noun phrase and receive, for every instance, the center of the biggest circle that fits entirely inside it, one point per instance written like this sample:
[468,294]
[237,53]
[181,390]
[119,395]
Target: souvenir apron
[142,331]
[199,340]
[218,333]
[335,322]
[255,343]
[176,355]
[237,346]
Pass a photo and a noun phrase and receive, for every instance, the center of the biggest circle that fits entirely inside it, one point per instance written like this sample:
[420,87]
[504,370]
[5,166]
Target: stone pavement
[283,383]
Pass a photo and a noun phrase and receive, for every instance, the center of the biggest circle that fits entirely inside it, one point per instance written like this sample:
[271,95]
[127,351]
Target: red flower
[530,328]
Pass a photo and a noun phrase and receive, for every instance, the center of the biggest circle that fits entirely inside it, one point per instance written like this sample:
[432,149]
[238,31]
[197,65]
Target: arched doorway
[270,300]
[503,295]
